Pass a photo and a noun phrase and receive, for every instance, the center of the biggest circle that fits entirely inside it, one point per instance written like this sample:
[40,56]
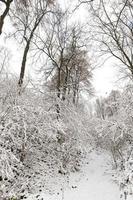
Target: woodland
[51,118]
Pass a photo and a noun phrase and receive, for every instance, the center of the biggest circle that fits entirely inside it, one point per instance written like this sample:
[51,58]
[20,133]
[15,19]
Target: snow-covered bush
[115,134]
[33,140]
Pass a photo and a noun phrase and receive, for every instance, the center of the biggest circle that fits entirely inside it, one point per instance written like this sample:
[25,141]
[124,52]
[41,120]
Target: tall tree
[113,22]
[28,17]
[67,56]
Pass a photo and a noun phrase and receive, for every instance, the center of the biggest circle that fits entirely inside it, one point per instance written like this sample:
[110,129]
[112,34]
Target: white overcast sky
[105,77]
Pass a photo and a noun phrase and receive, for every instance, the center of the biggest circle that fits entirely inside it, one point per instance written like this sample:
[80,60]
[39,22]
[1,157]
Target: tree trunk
[65,85]
[22,72]
[1,23]
[58,92]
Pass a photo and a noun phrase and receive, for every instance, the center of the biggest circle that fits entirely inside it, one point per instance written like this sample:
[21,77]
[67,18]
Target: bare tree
[113,23]
[67,56]
[4,61]
[108,106]
[27,18]
[7,4]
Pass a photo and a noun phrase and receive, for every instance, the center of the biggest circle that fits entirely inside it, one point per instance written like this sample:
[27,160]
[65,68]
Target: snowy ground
[93,183]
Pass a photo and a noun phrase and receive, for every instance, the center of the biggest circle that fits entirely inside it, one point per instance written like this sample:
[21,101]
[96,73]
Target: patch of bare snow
[93,183]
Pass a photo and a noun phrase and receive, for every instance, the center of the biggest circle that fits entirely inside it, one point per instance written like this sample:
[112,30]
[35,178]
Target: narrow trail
[93,183]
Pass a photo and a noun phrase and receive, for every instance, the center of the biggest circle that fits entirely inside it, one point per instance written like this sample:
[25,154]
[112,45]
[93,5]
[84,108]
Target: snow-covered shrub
[115,134]
[34,141]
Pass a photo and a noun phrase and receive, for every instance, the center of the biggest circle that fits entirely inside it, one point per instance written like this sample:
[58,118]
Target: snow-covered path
[92,184]
[95,185]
